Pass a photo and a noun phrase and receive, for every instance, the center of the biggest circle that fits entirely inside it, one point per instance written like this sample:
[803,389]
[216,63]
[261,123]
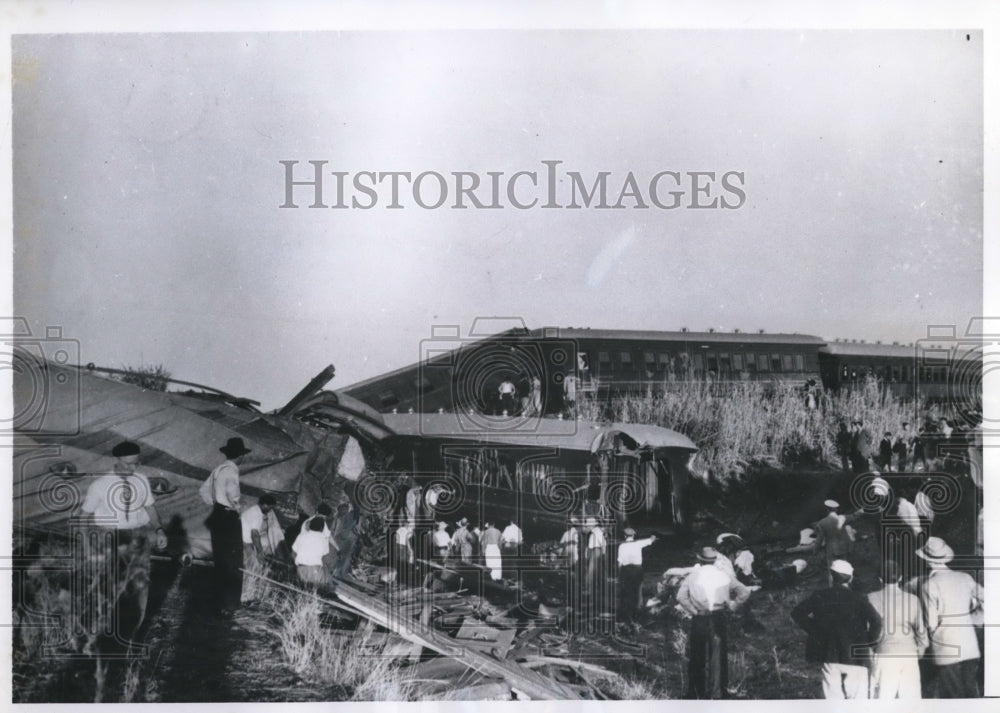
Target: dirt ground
[194,656]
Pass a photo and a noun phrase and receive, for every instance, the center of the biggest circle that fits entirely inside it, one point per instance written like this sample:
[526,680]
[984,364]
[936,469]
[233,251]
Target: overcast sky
[147,183]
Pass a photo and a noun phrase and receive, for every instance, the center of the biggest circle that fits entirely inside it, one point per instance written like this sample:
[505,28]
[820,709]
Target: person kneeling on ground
[312,544]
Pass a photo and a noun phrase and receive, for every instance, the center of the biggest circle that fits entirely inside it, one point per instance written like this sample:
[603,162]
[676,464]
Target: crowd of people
[938,441]
[918,634]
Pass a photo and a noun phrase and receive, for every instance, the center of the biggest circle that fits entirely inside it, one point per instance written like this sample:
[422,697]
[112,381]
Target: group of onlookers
[938,440]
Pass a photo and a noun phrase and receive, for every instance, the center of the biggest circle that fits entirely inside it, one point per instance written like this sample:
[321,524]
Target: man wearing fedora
[222,491]
[841,626]
[706,595]
[122,504]
[952,602]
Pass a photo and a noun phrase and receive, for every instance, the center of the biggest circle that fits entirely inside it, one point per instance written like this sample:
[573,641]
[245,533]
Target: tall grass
[743,425]
[334,657]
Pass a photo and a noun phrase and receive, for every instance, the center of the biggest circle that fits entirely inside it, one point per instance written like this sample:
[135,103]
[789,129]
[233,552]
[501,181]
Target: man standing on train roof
[122,503]
[630,575]
[489,543]
[222,491]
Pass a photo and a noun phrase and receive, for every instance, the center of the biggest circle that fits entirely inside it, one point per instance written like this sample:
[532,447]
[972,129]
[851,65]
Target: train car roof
[867,349]
[569,434]
[655,336]
[924,351]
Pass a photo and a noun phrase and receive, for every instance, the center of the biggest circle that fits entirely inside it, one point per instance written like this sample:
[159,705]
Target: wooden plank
[497,691]
[523,681]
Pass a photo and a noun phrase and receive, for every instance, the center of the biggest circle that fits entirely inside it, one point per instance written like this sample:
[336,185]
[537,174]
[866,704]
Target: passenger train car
[467,374]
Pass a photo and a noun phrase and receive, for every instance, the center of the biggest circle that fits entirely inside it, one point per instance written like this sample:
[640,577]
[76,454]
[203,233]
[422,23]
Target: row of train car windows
[719,362]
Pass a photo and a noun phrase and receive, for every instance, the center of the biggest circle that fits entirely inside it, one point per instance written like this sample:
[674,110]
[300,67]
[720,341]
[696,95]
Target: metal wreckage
[324,446]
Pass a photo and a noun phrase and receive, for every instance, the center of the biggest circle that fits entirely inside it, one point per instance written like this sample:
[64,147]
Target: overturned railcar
[543,472]
[68,419]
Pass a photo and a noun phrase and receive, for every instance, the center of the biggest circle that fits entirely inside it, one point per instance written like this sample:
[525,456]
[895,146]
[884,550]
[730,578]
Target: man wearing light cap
[630,574]
[832,534]
[841,624]
[952,603]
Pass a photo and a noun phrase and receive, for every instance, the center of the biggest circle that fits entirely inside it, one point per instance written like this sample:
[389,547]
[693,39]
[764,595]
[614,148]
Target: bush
[150,378]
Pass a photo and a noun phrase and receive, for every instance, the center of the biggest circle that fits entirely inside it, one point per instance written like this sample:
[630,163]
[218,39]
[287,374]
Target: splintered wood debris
[484,657]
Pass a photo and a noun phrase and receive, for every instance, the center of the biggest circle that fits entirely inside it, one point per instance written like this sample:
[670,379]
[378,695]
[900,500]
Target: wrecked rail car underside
[535,471]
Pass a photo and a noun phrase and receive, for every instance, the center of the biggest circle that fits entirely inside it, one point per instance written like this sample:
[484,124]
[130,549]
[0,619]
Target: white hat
[842,567]
[936,550]
[799,565]
[719,540]
[880,486]
[832,504]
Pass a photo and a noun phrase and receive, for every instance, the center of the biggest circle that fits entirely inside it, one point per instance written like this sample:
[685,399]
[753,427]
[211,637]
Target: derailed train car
[322,444]
[542,472]
[63,439]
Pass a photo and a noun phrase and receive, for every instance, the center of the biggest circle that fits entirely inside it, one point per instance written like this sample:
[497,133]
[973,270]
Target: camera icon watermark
[499,377]
[950,368]
[45,376]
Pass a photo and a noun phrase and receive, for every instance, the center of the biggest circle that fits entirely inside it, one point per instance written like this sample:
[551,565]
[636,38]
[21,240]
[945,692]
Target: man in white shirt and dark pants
[222,491]
[630,575]
[123,509]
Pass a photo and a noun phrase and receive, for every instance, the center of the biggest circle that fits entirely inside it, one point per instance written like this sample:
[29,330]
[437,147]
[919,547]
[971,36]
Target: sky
[147,183]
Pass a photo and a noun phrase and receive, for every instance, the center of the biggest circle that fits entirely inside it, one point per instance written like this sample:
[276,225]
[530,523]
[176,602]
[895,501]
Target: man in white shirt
[222,491]
[310,547]
[510,547]
[598,575]
[895,670]
[262,534]
[121,504]
[706,595]
[630,574]
[953,604]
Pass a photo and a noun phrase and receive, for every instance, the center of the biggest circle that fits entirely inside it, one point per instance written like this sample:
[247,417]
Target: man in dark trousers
[842,625]
[222,492]
[861,448]
[630,575]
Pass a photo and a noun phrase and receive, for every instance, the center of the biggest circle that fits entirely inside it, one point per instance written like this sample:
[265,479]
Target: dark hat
[125,448]
[234,448]
[707,554]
